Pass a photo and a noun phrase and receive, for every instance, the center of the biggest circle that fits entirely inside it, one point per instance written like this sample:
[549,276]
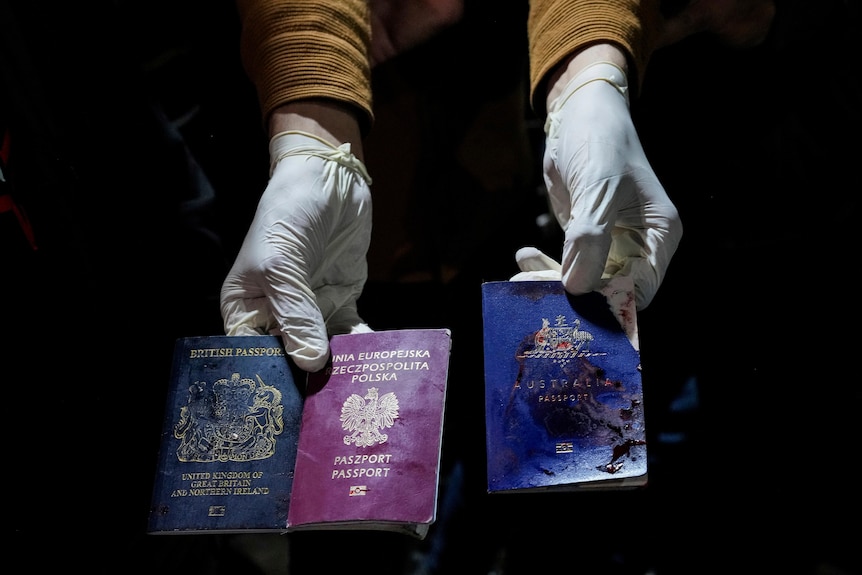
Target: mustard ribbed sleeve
[556,28]
[299,49]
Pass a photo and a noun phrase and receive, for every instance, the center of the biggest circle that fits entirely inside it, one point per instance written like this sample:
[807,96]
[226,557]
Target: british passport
[229,438]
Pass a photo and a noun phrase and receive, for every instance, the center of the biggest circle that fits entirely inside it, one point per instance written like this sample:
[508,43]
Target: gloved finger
[296,315]
[645,237]
[588,233]
[245,316]
[585,252]
[628,258]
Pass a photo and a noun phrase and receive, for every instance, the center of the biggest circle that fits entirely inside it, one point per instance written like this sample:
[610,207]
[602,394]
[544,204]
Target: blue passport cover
[563,393]
[229,439]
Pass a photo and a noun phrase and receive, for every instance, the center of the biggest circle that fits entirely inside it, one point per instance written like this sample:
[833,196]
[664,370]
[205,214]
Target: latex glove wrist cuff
[596,72]
[298,143]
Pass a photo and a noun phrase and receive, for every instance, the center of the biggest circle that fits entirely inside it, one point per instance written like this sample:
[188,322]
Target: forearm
[335,123]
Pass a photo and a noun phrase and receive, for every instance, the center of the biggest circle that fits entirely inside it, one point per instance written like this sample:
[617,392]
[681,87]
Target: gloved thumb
[535,265]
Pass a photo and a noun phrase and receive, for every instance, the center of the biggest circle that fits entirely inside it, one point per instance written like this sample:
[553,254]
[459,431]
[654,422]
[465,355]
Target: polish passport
[251,444]
[371,434]
[563,393]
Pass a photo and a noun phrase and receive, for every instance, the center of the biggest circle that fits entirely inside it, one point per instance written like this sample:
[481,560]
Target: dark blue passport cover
[563,393]
[229,439]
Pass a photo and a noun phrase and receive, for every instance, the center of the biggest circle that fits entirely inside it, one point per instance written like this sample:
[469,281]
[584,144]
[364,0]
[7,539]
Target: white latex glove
[302,264]
[616,215]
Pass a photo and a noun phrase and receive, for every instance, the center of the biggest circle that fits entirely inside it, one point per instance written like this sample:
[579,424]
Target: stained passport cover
[371,433]
[229,440]
[563,391]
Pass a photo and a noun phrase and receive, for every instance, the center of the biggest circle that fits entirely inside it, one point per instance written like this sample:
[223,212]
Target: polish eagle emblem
[365,417]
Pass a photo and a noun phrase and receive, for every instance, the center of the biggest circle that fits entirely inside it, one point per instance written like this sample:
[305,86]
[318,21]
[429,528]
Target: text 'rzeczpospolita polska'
[379,365]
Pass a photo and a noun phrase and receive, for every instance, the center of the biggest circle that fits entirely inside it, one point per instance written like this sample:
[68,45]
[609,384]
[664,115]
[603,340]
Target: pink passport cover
[369,447]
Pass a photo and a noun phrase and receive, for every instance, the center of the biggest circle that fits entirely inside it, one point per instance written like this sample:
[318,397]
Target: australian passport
[564,405]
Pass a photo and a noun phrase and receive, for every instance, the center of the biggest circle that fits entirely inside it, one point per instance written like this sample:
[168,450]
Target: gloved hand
[302,264]
[616,215]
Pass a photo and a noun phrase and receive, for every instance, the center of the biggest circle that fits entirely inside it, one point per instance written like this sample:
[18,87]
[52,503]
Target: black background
[139,154]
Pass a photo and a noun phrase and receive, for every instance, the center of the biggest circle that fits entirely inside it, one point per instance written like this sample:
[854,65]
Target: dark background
[138,154]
